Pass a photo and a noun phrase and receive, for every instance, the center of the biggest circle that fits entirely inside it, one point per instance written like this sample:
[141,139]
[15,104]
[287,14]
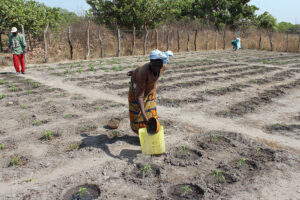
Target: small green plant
[14,88]
[14,161]
[258,151]
[36,122]
[67,72]
[265,62]
[10,84]
[47,135]
[2,96]
[75,97]
[1,81]
[82,191]
[145,170]
[28,80]
[28,92]
[23,106]
[255,81]
[241,161]
[186,190]
[73,147]
[115,104]
[170,100]
[52,89]
[217,173]
[61,94]
[92,68]
[1,146]
[80,70]
[116,133]
[184,150]
[68,115]
[97,107]
[277,126]
[213,137]
[36,84]
[218,90]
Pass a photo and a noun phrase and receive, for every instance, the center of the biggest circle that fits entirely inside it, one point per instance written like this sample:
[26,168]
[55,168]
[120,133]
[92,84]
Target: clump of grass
[186,190]
[145,170]
[73,147]
[36,122]
[115,104]
[97,107]
[116,133]
[255,81]
[80,70]
[1,81]
[170,100]
[241,161]
[28,92]
[217,173]
[76,97]
[2,96]
[67,72]
[92,68]
[68,115]
[265,62]
[82,191]
[213,138]
[1,146]
[36,84]
[47,135]
[14,89]
[14,161]
[258,151]
[23,106]
[10,84]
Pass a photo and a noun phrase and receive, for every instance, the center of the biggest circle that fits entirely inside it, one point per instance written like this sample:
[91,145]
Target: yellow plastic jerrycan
[152,142]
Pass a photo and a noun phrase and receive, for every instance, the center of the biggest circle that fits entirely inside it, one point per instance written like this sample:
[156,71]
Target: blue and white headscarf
[164,56]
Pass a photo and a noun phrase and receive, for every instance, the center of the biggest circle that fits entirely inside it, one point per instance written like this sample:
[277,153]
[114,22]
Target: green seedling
[184,150]
[277,126]
[14,89]
[50,69]
[73,147]
[68,115]
[75,97]
[58,74]
[116,133]
[170,100]
[1,81]
[219,175]
[10,84]
[47,135]
[52,89]
[145,170]
[258,151]
[1,146]
[36,122]
[67,72]
[265,62]
[218,90]
[255,81]
[36,85]
[14,161]
[61,94]
[213,138]
[92,68]
[97,107]
[28,92]
[82,191]
[186,190]
[28,80]
[2,96]
[115,104]
[23,106]
[241,161]
[85,105]
[71,67]
[80,70]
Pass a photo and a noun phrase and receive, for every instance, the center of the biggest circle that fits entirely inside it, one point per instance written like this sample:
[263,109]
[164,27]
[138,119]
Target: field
[231,120]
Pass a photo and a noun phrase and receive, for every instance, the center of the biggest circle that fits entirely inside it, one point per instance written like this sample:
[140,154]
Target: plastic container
[152,144]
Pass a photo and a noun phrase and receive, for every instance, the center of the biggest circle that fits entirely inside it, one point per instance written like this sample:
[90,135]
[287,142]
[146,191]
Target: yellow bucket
[152,144]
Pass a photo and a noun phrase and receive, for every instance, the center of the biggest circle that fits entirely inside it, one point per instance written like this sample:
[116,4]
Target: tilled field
[231,120]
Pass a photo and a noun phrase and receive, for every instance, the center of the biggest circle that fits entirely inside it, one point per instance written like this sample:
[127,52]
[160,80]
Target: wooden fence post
[178,39]
[271,41]
[206,40]
[260,38]
[88,41]
[45,44]
[156,38]
[101,44]
[195,41]
[299,42]
[217,35]
[224,38]
[188,42]
[70,42]
[119,43]
[145,41]
[287,42]
[23,33]
[168,41]
[133,40]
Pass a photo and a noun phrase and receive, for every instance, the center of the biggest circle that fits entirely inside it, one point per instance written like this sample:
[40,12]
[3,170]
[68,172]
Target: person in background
[17,45]
[141,98]
[236,44]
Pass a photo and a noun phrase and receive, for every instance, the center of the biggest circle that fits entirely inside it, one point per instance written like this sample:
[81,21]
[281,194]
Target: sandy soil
[231,120]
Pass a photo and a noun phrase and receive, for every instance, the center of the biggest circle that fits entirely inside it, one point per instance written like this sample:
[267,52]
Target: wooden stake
[217,36]
[88,41]
[178,39]
[145,41]
[70,42]
[133,40]
[119,43]
[168,40]
[287,42]
[195,41]
[101,44]
[188,42]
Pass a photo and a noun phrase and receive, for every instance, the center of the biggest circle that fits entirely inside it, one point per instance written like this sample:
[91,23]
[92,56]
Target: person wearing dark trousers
[17,45]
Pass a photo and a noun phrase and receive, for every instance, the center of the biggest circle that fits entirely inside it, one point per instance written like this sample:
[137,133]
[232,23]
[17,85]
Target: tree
[266,22]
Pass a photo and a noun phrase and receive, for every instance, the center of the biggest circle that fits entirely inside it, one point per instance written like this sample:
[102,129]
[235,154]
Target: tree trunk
[178,39]
[287,42]
[30,42]
[119,43]
[224,38]
[260,38]
[101,44]
[217,35]
[299,43]
[156,39]
[145,41]
[206,41]
[195,41]
[23,32]
[271,41]
[45,44]
[133,40]
[1,47]
[70,42]
[168,41]
[188,42]
[88,41]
